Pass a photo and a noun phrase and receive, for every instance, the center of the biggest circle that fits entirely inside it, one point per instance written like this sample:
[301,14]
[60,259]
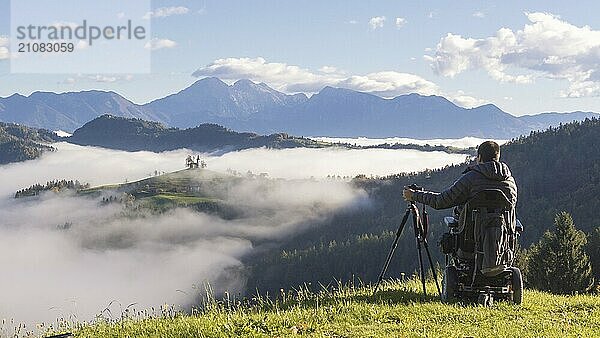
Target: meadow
[399,309]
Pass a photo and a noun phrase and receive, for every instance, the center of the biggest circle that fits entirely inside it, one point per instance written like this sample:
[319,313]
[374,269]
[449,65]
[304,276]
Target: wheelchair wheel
[517,286]
[449,284]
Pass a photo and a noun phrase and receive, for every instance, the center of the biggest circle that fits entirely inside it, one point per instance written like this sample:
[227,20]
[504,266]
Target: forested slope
[135,134]
[20,143]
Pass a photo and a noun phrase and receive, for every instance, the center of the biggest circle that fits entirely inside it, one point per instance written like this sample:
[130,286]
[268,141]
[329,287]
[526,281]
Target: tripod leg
[432,267]
[385,266]
[421,269]
[392,249]
[417,229]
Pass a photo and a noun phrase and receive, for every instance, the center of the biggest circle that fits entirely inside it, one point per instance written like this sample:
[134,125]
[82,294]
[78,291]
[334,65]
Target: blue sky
[524,57]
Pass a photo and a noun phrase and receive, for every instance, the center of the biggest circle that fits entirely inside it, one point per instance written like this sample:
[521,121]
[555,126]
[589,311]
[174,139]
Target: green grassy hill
[191,188]
[398,310]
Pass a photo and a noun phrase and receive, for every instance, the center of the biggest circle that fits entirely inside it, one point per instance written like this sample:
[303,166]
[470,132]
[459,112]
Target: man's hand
[408,194]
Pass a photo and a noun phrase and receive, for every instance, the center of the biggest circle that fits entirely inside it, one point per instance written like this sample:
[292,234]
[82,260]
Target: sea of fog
[103,166]
[70,257]
[464,142]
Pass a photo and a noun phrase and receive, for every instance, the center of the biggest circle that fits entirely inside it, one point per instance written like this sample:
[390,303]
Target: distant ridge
[248,106]
[135,134]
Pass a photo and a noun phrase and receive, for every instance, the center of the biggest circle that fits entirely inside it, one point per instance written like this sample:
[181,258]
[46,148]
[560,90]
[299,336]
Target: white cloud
[99,78]
[120,15]
[400,22]
[104,78]
[389,84]
[582,89]
[329,69]
[295,79]
[108,78]
[479,15]
[353,22]
[156,44]
[322,162]
[377,22]
[546,47]
[4,53]
[164,12]
[463,100]
[281,76]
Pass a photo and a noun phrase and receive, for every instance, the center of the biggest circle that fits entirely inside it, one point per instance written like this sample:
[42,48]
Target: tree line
[55,186]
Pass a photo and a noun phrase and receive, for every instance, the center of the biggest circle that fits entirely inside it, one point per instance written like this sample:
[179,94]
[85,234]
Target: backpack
[490,232]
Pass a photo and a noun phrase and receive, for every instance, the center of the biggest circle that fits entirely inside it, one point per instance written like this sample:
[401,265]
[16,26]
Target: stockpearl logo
[102,37]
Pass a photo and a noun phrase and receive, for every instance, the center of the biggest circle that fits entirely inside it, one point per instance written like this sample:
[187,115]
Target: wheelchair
[480,250]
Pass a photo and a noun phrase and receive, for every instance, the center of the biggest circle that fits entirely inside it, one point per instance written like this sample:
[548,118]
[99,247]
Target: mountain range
[255,107]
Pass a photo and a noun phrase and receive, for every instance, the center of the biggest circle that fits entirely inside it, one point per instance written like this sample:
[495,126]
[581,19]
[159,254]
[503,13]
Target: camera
[448,243]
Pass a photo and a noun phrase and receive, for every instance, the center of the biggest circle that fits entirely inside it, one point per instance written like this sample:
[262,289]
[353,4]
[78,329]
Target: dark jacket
[487,175]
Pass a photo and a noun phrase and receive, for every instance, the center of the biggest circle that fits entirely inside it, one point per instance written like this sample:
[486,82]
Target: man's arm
[457,194]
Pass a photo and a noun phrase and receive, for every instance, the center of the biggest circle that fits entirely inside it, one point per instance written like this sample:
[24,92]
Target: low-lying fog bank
[69,256]
[102,166]
[465,142]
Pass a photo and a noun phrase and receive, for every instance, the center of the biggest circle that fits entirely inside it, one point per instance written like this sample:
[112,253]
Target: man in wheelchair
[480,246]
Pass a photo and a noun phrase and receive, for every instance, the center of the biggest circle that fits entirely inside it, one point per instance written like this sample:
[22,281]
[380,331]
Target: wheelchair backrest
[488,201]
[490,198]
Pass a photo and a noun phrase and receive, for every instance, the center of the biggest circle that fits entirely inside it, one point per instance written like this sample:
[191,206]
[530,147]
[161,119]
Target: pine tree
[521,261]
[593,250]
[558,262]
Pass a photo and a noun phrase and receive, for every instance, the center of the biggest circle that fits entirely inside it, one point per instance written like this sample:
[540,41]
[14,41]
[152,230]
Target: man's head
[488,151]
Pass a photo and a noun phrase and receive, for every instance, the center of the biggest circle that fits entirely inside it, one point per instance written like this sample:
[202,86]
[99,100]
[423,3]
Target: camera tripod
[420,226]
